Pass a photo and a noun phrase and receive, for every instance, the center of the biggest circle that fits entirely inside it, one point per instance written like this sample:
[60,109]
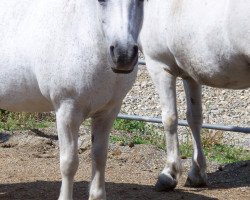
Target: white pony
[54,56]
[204,42]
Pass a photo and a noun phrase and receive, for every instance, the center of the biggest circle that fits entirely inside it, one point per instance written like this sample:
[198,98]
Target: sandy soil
[30,171]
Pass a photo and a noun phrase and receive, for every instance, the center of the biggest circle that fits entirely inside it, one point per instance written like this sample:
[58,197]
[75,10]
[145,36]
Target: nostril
[112,51]
[135,49]
[112,48]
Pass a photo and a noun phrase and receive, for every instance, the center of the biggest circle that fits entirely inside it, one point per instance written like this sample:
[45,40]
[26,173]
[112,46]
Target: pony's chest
[109,95]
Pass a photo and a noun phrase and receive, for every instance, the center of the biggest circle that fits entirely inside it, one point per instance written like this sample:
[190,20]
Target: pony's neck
[83,12]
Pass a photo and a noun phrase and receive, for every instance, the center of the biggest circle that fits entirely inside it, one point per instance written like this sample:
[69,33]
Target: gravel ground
[220,106]
[29,165]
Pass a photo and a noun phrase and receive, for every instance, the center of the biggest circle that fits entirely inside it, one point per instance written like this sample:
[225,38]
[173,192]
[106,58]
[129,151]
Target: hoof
[92,198]
[165,183]
[100,196]
[196,182]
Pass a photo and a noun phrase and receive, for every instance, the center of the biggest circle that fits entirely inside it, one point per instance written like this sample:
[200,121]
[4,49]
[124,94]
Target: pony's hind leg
[197,175]
[101,126]
[68,119]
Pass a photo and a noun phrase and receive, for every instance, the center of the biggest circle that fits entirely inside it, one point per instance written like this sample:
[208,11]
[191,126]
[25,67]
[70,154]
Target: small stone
[131,144]
[120,143]
[220,168]
[116,152]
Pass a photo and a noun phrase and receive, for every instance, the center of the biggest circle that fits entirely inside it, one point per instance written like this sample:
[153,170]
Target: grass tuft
[212,141]
[22,121]
[129,126]
[137,132]
[215,149]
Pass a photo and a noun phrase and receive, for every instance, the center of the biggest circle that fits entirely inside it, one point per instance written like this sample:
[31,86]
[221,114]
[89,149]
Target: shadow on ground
[115,191]
[231,175]
[4,137]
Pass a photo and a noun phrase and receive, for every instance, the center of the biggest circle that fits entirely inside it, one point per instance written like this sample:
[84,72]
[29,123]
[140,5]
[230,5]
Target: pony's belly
[19,91]
[229,78]
[225,82]
[23,99]
[29,105]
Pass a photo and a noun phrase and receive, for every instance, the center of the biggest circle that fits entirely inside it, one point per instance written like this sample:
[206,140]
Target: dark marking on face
[92,138]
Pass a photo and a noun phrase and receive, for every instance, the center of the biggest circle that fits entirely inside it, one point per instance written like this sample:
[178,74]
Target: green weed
[22,121]
[137,132]
[212,141]
[129,125]
[215,149]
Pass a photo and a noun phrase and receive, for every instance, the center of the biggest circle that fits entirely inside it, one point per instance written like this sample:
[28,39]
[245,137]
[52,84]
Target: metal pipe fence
[141,62]
[184,122]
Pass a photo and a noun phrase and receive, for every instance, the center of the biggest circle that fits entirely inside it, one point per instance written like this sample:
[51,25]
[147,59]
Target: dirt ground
[30,171]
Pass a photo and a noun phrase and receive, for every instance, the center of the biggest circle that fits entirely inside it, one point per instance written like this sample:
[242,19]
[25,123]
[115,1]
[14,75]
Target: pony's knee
[170,122]
[69,164]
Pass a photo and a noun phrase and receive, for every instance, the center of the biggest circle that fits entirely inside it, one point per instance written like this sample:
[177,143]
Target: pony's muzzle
[124,57]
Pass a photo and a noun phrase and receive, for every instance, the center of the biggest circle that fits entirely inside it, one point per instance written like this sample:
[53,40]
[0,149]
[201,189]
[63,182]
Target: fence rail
[184,122]
[141,62]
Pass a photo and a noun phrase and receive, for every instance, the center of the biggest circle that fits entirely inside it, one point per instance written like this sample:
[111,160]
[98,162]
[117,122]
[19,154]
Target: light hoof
[99,198]
[196,182]
[165,183]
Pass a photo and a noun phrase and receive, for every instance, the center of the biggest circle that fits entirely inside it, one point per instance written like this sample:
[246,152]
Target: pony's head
[121,23]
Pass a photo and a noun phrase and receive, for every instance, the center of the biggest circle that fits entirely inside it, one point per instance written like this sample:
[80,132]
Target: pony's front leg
[166,87]
[101,126]
[68,119]
[197,176]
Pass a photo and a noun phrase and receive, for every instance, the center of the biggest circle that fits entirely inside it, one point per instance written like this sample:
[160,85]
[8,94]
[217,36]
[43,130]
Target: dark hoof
[197,184]
[165,183]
